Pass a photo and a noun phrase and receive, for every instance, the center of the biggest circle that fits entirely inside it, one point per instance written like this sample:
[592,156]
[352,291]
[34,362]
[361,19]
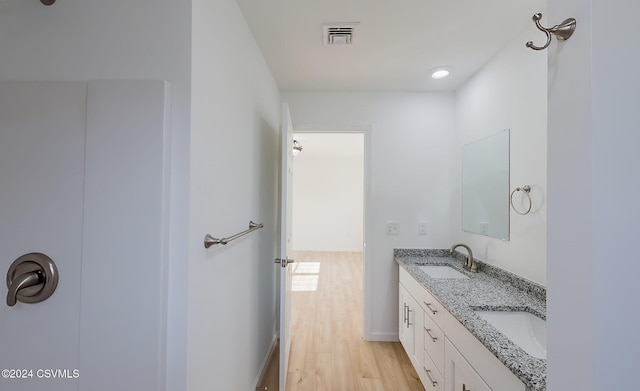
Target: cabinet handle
[429,306]
[404,313]
[408,317]
[464,388]
[434,339]
[433,382]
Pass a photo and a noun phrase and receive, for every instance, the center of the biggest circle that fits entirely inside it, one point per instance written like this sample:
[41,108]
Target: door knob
[284,263]
[31,278]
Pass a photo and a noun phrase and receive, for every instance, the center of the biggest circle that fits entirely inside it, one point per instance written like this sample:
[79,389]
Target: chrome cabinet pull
[429,306]
[434,339]
[408,317]
[404,314]
[433,382]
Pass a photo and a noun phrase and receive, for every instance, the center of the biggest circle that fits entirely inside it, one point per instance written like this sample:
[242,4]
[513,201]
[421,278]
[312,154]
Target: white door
[285,243]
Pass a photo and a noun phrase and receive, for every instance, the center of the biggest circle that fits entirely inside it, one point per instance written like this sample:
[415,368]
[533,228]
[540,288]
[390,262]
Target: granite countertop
[490,289]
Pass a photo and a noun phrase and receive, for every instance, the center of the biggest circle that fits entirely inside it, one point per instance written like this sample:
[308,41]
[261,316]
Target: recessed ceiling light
[440,74]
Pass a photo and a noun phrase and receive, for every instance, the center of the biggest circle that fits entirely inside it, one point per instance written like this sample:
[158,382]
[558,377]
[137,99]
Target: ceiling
[396,43]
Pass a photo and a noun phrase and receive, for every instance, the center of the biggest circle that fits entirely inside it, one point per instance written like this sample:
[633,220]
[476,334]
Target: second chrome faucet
[470,264]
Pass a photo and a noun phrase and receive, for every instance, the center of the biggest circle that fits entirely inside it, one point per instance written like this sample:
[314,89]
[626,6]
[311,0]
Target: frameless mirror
[485,186]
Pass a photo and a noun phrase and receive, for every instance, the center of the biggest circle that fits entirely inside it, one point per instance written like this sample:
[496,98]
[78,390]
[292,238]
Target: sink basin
[522,328]
[438,271]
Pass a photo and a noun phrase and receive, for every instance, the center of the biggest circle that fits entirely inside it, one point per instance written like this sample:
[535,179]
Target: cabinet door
[405,329]
[459,373]
[481,385]
[410,325]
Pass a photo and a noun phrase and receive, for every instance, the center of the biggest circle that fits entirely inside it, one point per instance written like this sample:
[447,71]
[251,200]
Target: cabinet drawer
[409,282]
[425,299]
[431,378]
[431,307]
[434,342]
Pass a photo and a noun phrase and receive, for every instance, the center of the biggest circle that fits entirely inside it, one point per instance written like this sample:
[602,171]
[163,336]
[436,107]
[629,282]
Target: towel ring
[526,190]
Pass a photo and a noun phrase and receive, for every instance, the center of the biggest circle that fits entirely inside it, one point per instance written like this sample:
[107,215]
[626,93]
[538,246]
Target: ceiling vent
[339,34]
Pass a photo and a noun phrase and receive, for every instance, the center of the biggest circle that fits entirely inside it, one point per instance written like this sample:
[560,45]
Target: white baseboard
[384,337]
[265,362]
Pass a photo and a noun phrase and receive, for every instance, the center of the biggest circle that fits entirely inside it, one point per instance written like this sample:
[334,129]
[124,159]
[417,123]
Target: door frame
[367,284]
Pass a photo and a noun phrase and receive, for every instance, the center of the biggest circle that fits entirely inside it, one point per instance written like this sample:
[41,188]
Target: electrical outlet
[484,228]
[422,228]
[392,228]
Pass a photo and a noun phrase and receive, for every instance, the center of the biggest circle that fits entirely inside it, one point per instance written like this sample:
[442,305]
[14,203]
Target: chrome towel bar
[210,240]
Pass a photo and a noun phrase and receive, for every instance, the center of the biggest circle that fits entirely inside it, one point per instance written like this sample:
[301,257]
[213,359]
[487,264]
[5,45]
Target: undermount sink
[439,271]
[522,328]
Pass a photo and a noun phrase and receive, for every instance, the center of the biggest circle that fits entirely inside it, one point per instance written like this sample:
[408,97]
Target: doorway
[328,235]
[328,192]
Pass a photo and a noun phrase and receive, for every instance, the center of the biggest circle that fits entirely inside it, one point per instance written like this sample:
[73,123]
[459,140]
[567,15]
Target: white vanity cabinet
[431,377]
[446,356]
[410,322]
[433,341]
[461,375]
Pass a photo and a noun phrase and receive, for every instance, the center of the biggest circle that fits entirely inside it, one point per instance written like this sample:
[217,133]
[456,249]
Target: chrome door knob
[286,262]
[31,278]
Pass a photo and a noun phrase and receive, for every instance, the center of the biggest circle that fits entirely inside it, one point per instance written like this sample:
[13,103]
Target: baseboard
[264,363]
[384,337]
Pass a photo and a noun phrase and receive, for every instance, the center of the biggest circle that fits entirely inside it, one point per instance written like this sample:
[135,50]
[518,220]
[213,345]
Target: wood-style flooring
[327,350]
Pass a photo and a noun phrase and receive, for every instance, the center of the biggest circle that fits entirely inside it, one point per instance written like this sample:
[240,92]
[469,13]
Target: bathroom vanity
[470,331]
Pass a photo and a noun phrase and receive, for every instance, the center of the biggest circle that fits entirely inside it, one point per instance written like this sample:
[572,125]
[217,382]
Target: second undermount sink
[522,328]
[440,271]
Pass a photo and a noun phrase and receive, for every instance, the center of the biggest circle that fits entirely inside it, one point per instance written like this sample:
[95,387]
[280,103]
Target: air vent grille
[339,34]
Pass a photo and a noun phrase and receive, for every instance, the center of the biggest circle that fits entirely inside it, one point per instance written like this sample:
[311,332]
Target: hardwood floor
[270,375]
[327,351]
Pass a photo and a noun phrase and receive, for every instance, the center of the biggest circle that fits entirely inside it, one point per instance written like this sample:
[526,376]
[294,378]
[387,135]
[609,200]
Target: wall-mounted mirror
[485,186]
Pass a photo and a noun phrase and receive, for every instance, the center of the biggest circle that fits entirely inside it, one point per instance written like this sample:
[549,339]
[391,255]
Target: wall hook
[562,31]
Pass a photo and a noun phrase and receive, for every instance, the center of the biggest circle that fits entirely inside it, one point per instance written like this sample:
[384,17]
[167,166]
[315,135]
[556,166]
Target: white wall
[570,257]
[234,178]
[328,203]
[510,92]
[117,39]
[409,147]
[592,270]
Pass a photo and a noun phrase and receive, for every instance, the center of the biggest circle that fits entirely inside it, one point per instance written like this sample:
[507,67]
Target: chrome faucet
[470,263]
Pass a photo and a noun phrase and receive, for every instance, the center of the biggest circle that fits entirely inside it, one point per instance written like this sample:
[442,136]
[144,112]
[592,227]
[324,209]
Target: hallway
[327,351]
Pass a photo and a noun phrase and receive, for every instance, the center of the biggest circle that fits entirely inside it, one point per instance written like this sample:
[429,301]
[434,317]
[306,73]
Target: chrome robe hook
[562,31]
